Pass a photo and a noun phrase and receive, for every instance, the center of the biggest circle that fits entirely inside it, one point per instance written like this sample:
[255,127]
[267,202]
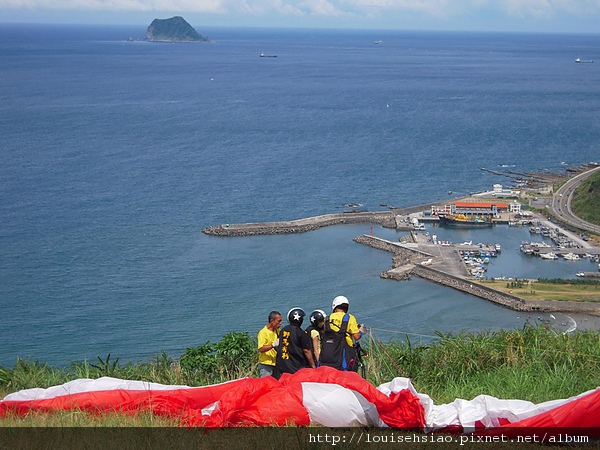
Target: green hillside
[586,200]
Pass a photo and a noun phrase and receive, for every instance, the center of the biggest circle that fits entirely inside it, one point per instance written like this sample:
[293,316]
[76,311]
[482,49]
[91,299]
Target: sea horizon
[385,30]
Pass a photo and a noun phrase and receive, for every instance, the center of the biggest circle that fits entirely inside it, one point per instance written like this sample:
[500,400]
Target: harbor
[458,265]
[444,264]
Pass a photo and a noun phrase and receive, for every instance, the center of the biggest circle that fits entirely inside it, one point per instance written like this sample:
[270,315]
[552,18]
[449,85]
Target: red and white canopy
[324,396]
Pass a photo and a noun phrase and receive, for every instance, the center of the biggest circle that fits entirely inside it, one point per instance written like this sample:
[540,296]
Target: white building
[499,191]
[514,207]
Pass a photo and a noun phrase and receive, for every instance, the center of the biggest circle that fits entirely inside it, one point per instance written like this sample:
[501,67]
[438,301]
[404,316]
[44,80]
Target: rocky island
[175,29]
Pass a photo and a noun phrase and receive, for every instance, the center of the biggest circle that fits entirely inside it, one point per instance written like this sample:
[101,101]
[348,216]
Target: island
[175,29]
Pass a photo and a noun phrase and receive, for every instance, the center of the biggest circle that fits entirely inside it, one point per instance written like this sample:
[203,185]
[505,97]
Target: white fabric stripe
[332,405]
[483,408]
[88,385]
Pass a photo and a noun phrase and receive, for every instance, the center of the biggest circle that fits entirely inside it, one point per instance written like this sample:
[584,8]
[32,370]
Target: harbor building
[499,191]
[472,209]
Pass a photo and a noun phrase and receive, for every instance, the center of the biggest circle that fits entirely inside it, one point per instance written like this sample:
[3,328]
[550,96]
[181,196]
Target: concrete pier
[385,219]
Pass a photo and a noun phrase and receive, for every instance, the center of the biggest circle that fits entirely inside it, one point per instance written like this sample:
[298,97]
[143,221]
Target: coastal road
[561,203]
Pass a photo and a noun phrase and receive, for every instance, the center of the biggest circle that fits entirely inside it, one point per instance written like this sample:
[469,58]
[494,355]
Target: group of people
[327,341]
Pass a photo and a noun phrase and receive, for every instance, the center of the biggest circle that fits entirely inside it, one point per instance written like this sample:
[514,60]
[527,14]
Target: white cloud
[517,8]
[120,5]
[320,7]
[436,9]
[428,6]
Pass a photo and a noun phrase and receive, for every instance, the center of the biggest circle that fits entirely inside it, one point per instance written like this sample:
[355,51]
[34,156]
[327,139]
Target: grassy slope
[586,200]
[540,290]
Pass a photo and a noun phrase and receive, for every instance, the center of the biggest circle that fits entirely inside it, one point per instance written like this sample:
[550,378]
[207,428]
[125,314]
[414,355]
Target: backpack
[335,351]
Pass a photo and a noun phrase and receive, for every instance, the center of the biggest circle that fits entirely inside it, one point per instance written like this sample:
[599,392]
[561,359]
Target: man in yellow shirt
[268,339]
[333,352]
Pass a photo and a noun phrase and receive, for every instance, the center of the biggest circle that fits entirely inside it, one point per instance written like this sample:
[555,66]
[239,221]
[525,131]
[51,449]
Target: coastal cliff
[175,29]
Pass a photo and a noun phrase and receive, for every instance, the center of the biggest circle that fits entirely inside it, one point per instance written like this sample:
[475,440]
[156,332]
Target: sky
[563,16]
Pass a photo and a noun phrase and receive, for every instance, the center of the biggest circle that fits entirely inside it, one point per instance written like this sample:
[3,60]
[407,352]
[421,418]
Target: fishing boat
[549,255]
[571,257]
[460,220]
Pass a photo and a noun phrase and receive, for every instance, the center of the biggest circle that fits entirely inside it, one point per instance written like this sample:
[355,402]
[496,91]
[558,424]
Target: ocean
[117,153]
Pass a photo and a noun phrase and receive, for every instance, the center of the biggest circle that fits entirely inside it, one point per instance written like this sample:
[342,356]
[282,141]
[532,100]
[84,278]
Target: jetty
[383,218]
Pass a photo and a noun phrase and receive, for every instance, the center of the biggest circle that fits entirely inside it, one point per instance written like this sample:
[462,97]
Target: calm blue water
[116,154]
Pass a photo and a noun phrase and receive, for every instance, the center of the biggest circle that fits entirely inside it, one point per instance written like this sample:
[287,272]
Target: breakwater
[409,262]
[465,285]
[385,219]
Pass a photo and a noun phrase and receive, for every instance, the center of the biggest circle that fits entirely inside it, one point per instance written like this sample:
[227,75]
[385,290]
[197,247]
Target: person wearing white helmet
[340,306]
[341,330]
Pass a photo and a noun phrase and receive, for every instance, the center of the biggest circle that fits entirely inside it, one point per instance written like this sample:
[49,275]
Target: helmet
[296,315]
[339,300]
[316,316]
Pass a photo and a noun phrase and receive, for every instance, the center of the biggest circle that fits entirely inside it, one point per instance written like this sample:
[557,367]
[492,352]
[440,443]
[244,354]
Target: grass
[534,364]
[76,418]
[574,291]
[586,199]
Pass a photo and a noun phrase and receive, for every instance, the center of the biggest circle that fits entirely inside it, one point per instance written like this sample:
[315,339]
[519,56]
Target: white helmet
[339,300]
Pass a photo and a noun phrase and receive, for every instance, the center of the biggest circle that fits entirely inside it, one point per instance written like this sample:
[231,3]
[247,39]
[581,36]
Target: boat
[460,220]
[580,274]
[266,55]
[579,60]
[571,257]
[549,255]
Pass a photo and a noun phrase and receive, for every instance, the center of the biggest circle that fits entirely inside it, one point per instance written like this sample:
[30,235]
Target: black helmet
[296,315]
[316,316]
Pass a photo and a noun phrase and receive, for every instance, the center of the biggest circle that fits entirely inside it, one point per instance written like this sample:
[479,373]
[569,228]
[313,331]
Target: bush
[233,357]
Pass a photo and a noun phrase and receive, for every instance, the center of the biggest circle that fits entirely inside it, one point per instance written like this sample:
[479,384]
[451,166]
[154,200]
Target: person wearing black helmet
[294,351]
[315,331]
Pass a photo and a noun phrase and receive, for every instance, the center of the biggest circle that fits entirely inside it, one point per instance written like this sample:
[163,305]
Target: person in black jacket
[294,349]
